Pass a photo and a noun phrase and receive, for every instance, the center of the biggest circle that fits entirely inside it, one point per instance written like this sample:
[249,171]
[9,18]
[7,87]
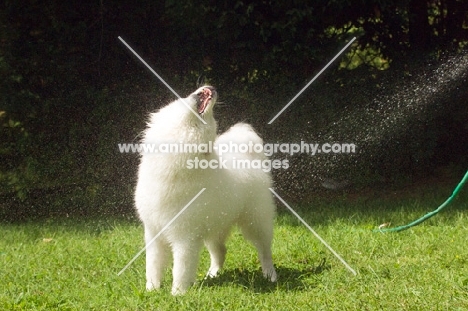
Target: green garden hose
[429,215]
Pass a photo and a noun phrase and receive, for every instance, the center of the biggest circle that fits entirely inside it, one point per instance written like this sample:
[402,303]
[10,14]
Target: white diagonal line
[313,79]
[315,233]
[160,232]
[160,78]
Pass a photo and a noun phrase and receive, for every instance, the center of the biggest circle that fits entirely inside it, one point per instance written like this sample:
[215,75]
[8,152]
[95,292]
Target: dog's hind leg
[259,230]
[217,250]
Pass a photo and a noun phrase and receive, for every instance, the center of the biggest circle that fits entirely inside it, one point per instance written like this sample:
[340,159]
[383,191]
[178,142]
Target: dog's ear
[201,80]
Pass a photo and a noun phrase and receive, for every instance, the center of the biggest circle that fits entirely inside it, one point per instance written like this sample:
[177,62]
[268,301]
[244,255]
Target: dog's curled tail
[243,135]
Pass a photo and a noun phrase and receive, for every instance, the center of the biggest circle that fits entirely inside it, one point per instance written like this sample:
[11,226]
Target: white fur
[232,197]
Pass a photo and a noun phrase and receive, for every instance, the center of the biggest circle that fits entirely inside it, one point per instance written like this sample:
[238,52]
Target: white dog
[232,197]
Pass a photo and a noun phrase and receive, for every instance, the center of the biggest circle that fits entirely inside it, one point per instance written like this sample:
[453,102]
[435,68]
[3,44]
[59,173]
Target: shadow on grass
[289,279]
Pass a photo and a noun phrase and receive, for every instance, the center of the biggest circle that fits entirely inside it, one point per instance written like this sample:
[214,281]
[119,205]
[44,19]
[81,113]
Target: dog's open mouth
[204,98]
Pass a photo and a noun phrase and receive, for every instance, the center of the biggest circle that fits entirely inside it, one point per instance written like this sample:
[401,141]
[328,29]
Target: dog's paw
[152,286]
[212,273]
[270,274]
[178,290]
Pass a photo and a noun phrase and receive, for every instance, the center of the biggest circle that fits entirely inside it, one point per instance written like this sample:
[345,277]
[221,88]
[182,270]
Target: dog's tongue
[205,97]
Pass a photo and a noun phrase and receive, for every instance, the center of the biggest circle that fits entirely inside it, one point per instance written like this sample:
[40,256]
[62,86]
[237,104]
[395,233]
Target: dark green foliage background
[70,91]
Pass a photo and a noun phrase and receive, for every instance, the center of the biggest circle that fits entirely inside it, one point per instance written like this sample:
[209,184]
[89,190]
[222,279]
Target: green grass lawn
[72,264]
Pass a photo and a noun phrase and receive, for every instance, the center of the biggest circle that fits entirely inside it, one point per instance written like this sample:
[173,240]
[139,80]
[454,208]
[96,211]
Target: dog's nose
[212,90]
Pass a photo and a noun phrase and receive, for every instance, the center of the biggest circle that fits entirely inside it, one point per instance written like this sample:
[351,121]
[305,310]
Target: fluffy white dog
[233,196]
